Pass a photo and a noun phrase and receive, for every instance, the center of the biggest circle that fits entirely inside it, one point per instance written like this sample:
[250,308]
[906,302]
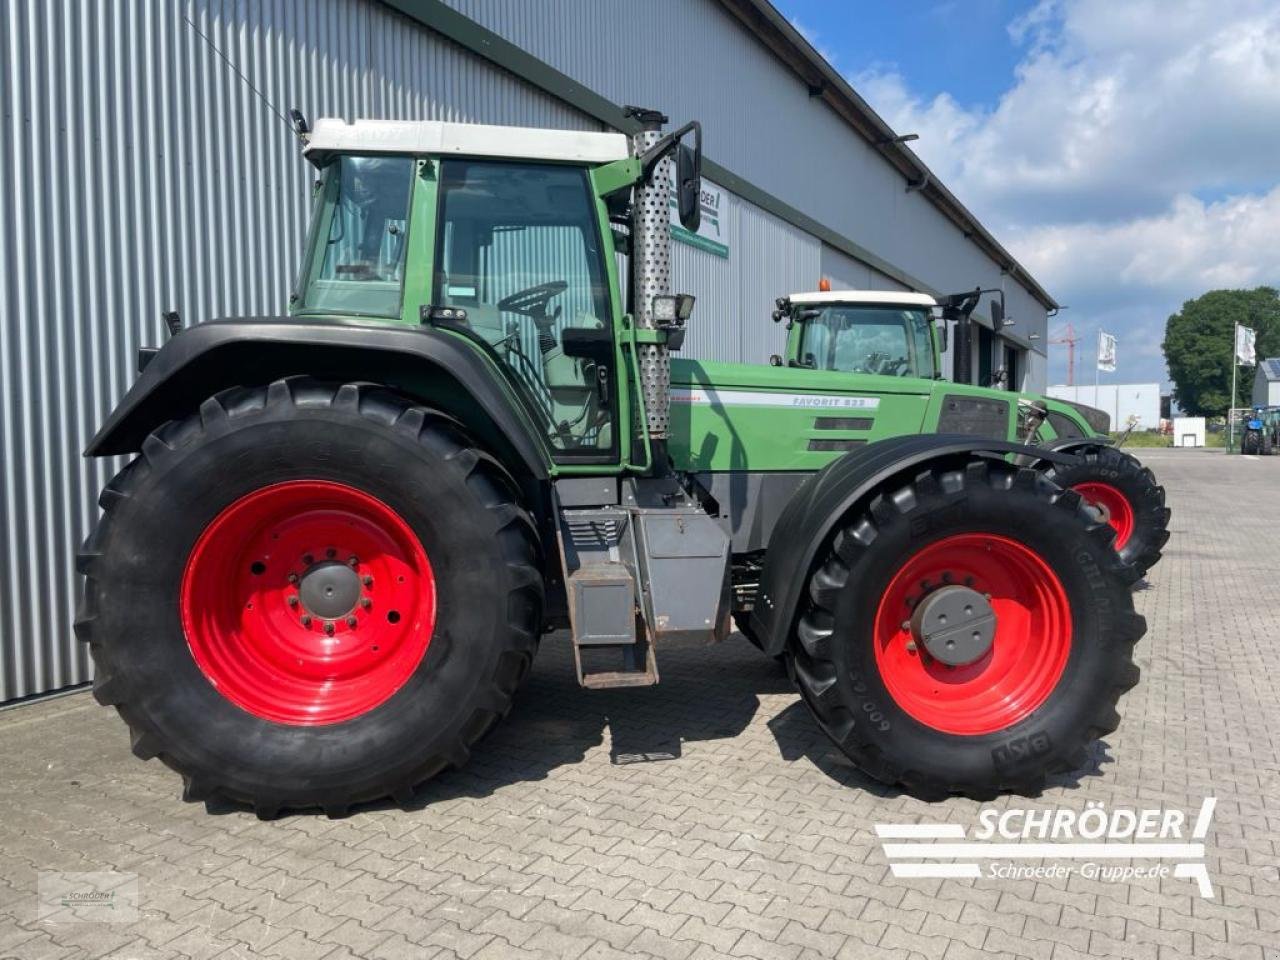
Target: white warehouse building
[1121,401]
[142,173]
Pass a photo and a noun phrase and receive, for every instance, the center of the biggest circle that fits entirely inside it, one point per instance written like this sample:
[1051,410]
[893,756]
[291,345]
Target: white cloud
[1189,248]
[1089,167]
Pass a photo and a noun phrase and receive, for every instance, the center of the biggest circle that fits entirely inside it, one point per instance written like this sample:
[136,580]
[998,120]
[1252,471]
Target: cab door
[520,249]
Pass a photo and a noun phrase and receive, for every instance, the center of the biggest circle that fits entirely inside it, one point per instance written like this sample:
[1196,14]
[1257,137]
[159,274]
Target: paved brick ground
[706,817]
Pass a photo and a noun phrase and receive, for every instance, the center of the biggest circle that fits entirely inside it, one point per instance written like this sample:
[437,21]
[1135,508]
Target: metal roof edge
[461,29]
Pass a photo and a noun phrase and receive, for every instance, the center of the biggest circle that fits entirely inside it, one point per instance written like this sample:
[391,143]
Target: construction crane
[1068,336]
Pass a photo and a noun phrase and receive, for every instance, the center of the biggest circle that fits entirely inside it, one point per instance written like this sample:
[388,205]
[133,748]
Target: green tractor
[890,343]
[327,567]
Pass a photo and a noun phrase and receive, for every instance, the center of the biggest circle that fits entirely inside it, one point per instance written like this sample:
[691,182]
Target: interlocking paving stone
[704,818]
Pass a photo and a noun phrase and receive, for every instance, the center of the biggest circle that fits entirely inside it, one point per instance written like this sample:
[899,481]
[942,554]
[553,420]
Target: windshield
[889,341]
[356,262]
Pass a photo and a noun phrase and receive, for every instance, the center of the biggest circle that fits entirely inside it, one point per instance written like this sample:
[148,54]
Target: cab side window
[519,250]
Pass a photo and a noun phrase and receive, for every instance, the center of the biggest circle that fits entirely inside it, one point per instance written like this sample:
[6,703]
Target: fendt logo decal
[1086,841]
[761,398]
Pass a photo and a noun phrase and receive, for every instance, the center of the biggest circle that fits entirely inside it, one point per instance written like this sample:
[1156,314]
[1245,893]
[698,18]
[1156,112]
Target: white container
[1188,431]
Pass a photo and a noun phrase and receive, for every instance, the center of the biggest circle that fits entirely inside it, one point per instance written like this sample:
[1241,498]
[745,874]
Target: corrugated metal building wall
[759,120]
[140,174]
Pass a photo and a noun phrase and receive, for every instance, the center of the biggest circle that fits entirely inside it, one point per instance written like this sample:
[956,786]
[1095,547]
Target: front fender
[812,514]
[436,368]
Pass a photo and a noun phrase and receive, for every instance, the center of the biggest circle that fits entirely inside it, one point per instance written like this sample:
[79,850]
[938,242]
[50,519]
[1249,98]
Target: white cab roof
[464,139]
[903,297]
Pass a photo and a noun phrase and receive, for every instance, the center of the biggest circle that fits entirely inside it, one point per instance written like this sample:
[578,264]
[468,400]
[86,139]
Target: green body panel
[734,416]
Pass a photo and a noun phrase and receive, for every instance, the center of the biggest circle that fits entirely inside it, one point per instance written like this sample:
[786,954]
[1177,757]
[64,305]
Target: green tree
[1198,347]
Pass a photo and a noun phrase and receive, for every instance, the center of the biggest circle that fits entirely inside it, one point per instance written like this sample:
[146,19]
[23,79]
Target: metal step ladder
[611,646]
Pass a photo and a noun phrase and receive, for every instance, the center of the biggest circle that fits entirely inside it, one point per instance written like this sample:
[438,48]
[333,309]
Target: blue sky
[960,48]
[1127,153]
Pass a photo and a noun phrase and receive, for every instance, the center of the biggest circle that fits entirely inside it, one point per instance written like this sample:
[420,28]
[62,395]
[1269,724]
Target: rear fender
[432,367]
[813,514]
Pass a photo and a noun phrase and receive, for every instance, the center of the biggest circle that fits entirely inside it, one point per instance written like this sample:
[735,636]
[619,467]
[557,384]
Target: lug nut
[911,647]
[353,561]
[293,601]
[367,581]
[351,622]
[308,559]
[306,620]
[331,553]
[293,578]
[366,602]
[328,627]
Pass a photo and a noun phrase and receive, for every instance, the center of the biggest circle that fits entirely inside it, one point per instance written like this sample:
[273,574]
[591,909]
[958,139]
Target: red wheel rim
[1116,504]
[1028,652]
[251,576]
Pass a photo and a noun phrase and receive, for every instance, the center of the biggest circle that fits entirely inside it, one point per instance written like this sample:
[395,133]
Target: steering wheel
[880,364]
[533,301]
[892,367]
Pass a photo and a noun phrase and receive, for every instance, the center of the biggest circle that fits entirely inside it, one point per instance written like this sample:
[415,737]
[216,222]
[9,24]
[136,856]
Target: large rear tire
[1045,687]
[1133,503]
[310,595]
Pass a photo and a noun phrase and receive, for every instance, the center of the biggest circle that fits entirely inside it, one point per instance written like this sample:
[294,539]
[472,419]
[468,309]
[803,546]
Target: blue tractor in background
[1259,431]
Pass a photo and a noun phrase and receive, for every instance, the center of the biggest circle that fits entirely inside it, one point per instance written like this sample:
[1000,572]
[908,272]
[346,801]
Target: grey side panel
[684,574]
[748,505]
[587,491]
[974,416]
[604,603]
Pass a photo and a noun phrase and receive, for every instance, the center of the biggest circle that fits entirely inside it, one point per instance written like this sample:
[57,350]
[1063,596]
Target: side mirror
[997,314]
[942,336]
[689,186]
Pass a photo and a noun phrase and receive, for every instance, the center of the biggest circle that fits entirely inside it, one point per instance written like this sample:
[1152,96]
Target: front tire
[1132,502]
[310,595]
[1044,689]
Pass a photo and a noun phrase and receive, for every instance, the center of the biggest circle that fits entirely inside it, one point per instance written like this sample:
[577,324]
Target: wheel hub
[329,590]
[1112,506]
[1020,611]
[955,624]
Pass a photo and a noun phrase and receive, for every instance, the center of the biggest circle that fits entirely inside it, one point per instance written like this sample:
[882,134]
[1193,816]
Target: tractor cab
[862,331]
[502,242]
